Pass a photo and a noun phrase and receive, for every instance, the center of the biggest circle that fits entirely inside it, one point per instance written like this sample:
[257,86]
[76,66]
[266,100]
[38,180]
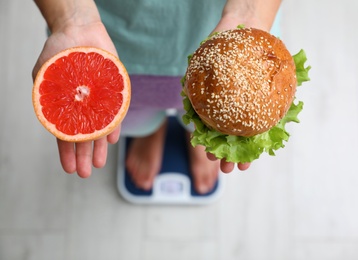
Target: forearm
[252,13]
[59,13]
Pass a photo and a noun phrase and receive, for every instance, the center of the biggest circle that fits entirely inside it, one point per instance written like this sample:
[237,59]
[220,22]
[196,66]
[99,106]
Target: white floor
[301,204]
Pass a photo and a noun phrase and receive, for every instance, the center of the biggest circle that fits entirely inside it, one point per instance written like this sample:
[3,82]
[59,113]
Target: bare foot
[204,171]
[144,158]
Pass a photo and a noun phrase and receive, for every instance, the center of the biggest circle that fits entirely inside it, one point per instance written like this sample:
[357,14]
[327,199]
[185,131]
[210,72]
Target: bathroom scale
[173,184]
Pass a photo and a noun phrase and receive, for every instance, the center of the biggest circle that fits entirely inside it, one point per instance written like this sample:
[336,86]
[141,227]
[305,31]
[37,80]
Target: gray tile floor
[301,204]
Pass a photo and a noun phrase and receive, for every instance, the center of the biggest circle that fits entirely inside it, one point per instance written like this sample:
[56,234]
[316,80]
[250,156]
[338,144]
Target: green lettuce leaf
[301,72]
[246,149]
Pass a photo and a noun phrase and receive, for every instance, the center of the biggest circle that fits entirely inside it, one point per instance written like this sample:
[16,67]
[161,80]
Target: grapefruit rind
[126,93]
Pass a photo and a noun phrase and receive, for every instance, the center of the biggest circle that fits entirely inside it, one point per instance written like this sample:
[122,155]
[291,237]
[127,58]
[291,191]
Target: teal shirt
[155,37]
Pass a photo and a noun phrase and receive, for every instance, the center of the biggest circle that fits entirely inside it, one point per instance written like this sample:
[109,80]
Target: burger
[239,91]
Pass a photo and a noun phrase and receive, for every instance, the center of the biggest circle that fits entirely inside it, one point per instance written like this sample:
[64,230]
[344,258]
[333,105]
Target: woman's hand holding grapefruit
[80,156]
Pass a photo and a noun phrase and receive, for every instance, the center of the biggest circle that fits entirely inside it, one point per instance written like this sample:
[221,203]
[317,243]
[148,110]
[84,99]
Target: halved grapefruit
[81,94]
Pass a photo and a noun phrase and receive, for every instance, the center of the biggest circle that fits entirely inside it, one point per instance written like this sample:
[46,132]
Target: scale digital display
[171,187]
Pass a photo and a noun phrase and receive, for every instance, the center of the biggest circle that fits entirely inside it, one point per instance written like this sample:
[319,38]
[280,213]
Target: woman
[153,39]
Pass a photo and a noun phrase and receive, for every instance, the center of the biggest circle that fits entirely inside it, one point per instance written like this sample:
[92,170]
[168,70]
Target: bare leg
[204,171]
[144,157]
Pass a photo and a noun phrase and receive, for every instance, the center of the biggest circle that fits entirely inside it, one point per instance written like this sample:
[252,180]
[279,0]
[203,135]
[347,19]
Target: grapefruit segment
[81,94]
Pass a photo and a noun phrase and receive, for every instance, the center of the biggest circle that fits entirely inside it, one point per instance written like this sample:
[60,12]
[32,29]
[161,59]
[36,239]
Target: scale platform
[173,185]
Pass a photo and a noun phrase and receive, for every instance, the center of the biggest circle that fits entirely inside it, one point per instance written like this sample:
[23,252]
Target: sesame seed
[239,59]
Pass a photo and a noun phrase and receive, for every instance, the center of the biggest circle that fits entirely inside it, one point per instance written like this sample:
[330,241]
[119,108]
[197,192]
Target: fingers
[243,166]
[84,159]
[67,154]
[227,167]
[100,153]
[211,157]
[81,156]
[113,137]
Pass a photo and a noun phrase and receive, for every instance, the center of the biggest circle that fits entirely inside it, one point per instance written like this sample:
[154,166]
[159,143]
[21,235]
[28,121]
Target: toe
[205,178]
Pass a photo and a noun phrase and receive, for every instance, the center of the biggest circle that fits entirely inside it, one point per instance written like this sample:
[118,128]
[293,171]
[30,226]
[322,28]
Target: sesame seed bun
[241,82]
